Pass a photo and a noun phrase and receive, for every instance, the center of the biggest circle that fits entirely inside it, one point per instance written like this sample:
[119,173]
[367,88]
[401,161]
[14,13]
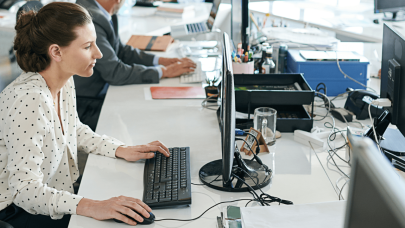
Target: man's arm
[115,71]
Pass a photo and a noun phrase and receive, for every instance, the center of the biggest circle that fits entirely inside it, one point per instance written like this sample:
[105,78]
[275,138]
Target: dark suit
[120,65]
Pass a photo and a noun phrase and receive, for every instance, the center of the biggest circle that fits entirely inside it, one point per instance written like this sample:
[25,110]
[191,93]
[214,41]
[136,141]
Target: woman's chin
[87,73]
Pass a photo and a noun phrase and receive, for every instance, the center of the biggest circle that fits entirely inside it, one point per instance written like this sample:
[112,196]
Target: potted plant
[211,91]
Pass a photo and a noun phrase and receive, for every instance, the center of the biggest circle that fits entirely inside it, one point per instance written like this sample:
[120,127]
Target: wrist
[164,72]
[119,152]
[84,207]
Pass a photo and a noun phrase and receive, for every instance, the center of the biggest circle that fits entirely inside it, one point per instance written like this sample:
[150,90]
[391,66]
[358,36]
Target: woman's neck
[55,79]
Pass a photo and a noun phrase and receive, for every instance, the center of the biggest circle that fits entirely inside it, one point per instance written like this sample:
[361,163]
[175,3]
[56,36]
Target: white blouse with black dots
[38,163]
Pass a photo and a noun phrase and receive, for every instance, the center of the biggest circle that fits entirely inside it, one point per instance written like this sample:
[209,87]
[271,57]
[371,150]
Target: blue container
[328,72]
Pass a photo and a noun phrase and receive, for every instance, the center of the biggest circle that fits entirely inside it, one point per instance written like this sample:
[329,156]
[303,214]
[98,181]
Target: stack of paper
[175,10]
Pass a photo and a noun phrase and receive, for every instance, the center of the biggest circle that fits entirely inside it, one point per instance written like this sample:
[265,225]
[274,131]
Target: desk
[298,176]
[350,20]
[129,114]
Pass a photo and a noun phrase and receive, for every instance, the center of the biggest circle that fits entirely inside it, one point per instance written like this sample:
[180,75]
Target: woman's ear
[55,52]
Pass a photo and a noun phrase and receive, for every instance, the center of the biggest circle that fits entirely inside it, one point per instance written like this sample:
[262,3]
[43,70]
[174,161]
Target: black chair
[5,225]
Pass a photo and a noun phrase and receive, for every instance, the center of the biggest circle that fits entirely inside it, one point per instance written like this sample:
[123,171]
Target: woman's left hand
[135,153]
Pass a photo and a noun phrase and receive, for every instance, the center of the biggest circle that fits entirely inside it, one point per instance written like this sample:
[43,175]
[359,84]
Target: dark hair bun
[53,24]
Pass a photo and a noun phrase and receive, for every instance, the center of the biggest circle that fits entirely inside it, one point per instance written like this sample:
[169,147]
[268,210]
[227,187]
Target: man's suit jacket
[120,65]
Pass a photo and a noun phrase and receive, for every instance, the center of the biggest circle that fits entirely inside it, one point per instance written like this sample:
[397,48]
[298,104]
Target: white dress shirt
[38,163]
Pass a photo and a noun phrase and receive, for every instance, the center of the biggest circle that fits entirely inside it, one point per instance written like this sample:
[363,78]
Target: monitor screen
[376,193]
[381,6]
[393,75]
[228,113]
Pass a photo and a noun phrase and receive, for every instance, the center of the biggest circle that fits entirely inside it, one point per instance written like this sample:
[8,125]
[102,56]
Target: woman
[40,132]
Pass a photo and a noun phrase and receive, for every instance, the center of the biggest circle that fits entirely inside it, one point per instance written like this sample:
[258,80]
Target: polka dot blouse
[38,163]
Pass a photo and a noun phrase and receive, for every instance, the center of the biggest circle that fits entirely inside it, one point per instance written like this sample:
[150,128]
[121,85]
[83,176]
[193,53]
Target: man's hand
[114,208]
[178,68]
[170,61]
[134,153]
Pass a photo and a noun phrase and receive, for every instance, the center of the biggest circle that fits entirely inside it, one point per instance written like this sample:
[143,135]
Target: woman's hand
[114,208]
[135,153]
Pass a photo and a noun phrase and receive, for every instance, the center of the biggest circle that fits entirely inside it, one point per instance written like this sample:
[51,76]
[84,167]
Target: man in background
[120,65]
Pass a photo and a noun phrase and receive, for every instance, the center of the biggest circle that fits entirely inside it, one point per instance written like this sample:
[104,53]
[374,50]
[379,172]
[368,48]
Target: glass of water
[265,122]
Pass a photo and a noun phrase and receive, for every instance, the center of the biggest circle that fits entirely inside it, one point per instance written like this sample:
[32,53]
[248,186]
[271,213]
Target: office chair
[5,225]
[31,5]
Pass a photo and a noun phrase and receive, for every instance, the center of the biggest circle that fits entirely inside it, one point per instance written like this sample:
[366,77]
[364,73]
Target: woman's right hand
[114,208]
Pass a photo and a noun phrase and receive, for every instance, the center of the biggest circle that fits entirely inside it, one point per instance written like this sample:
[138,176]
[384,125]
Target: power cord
[264,199]
[384,102]
[186,220]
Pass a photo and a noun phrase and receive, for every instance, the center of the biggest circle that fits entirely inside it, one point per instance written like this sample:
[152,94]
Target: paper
[317,215]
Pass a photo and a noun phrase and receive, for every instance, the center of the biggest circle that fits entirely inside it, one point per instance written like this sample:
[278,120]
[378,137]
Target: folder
[150,43]
[161,92]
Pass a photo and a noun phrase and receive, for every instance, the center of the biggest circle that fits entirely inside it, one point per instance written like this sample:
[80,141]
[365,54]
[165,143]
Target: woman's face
[80,56]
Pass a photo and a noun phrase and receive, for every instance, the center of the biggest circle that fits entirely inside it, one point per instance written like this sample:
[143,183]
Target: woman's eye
[88,47]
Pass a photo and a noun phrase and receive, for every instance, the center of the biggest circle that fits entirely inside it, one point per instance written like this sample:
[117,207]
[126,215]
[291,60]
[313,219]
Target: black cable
[263,196]
[211,181]
[255,156]
[186,220]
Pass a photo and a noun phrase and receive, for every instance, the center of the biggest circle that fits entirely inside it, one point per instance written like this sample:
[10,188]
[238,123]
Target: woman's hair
[36,31]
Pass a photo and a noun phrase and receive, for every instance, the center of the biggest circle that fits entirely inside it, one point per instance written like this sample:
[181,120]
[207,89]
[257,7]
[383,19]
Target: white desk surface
[143,21]
[353,19]
[129,114]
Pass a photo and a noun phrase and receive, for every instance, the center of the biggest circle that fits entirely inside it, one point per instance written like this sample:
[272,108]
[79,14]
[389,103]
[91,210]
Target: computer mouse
[146,221]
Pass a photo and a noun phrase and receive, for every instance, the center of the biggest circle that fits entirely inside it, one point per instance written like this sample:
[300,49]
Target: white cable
[384,102]
[341,71]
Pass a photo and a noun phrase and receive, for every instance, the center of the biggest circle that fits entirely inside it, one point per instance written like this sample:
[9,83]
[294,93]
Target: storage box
[251,93]
[328,72]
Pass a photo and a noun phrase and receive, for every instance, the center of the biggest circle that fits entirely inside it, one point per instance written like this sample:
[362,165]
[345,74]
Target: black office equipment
[287,93]
[245,25]
[167,181]
[376,193]
[358,101]
[146,221]
[382,6]
[145,3]
[392,87]
[230,172]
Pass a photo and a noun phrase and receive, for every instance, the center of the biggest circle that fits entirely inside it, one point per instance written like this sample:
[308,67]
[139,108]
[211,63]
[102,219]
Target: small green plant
[211,82]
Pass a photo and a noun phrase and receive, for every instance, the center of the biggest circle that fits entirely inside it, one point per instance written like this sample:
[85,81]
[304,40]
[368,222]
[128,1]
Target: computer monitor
[220,174]
[382,6]
[376,193]
[392,87]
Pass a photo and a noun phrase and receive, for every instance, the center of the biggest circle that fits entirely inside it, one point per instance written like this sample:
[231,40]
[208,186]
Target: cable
[204,102]
[372,126]
[186,220]
[263,198]
[323,167]
[325,105]
[341,71]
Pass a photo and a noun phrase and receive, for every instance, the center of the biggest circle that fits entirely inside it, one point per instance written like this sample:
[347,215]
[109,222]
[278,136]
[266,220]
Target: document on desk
[317,215]
[163,92]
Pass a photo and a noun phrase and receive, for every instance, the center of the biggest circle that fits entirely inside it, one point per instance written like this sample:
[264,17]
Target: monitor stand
[211,175]
[394,17]
[389,139]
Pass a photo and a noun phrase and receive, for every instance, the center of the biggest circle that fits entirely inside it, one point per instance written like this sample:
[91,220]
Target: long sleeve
[90,142]
[25,128]
[120,68]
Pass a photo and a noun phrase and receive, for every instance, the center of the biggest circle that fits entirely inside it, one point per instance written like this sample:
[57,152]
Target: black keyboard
[167,181]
